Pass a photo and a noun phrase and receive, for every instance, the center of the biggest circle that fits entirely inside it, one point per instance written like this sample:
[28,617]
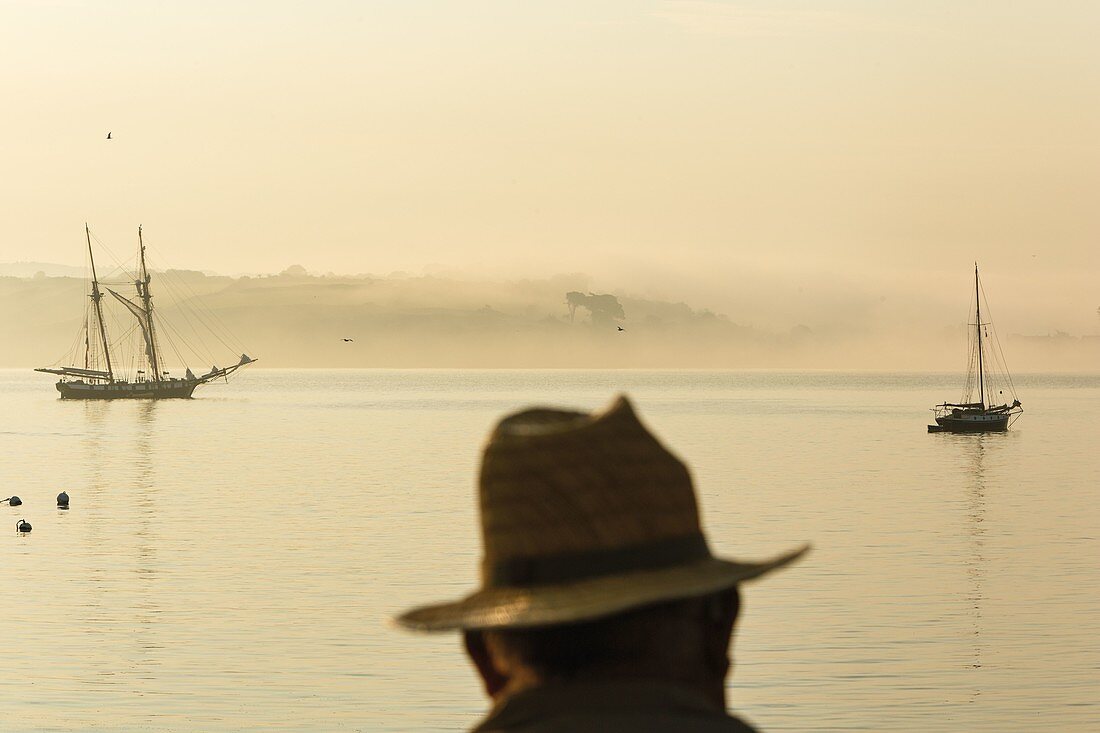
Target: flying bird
[620,328]
[108,136]
[349,340]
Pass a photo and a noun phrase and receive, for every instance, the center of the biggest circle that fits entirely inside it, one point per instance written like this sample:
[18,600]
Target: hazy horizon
[839,167]
[678,149]
[296,319]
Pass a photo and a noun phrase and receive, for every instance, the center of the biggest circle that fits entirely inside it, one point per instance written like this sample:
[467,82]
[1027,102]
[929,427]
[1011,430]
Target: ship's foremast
[96,298]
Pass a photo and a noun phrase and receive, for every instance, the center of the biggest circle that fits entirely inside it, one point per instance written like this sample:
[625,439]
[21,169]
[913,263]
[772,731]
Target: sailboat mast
[978,325]
[96,296]
[146,301]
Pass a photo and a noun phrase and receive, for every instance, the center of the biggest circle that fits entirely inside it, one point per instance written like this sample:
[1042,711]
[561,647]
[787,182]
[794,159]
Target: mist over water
[229,562]
[794,319]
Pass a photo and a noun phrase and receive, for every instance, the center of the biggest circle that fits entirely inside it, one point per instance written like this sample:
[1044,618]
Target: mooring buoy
[22,526]
[63,500]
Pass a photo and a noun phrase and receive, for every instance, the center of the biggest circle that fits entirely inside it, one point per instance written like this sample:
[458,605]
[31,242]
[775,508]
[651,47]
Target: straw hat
[583,516]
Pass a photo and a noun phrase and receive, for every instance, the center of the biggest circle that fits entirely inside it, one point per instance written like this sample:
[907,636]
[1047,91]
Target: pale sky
[676,144]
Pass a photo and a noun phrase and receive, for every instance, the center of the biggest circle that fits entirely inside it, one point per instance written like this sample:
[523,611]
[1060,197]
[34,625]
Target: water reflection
[979,453]
[119,508]
[147,609]
[975,567]
[96,414]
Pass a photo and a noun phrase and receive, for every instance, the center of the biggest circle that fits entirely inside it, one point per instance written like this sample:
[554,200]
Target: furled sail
[217,372]
[76,372]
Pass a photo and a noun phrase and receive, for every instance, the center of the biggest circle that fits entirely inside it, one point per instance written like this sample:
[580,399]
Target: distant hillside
[298,320]
[31,269]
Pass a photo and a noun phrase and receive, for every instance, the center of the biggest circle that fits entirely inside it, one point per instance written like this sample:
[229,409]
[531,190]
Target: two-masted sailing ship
[100,377]
[986,382]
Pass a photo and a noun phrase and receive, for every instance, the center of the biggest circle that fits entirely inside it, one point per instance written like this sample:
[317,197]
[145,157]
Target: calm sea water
[229,562]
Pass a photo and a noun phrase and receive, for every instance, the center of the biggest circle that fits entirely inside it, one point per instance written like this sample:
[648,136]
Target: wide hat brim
[589,598]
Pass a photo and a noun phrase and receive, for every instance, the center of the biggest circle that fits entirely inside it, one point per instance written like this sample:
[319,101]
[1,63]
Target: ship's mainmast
[978,325]
[96,297]
[147,303]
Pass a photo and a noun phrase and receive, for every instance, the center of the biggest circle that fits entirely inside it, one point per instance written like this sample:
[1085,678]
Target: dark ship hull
[169,389]
[996,423]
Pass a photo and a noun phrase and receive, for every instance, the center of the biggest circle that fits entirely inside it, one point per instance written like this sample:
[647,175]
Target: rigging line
[196,307]
[226,331]
[72,351]
[182,359]
[208,355]
[182,306]
[220,325]
[1000,351]
[1008,373]
[194,301]
[178,300]
[129,332]
[199,351]
[118,263]
[126,328]
[164,335]
[167,324]
[75,350]
[202,320]
[971,365]
[213,330]
[169,327]
[972,353]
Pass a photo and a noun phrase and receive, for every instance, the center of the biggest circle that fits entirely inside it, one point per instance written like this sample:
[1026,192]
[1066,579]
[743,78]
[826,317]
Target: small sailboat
[987,374]
[100,377]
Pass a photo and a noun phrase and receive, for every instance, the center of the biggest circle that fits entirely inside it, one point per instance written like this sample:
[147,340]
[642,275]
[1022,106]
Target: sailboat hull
[172,389]
[974,423]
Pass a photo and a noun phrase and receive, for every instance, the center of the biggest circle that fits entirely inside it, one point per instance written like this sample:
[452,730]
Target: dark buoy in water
[63,500]
[22,526]
[14,501]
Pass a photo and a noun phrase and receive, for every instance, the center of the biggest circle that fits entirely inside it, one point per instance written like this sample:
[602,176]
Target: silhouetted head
[15,501]
[22,526]
[683,642]
[63,499]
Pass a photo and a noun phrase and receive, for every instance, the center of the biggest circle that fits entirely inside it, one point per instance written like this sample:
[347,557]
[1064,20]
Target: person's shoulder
[610,707]
[639,723]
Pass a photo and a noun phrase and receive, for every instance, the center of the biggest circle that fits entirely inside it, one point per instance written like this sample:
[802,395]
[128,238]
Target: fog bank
[300,320]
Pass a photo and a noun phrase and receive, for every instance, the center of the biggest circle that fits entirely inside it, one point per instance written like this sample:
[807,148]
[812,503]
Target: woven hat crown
[564,494]
[583,516]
